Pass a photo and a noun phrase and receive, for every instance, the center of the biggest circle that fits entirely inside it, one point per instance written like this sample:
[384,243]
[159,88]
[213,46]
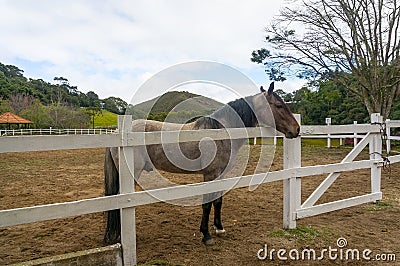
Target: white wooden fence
[291,175]
[329,136]
[389,125]
[54,131]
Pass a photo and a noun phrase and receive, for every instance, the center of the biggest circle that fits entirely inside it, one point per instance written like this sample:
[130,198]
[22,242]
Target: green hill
[176,106]
[167,102]
[106,120]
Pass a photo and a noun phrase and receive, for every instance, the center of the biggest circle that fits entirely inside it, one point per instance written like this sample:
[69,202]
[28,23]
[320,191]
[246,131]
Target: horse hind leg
[207,240]
[111,187]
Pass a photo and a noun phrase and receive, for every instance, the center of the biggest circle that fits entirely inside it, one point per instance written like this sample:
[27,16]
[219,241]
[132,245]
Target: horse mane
[243,108]
[277,97]
[207,122]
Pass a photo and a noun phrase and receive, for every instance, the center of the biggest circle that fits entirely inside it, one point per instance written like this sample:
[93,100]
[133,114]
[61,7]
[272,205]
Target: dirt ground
[169,234]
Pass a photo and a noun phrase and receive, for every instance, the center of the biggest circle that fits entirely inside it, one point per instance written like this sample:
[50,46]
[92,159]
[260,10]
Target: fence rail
[55,131]
[128,199]
[389,137]
[46,212]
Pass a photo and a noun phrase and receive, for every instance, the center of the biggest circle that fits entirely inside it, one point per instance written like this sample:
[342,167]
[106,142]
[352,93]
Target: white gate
[294,209]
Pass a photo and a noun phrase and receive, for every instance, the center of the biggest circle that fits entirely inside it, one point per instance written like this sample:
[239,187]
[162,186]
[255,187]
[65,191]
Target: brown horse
[191,157]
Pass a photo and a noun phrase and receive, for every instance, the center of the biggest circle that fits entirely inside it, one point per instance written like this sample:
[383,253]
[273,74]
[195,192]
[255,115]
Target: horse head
[284,119]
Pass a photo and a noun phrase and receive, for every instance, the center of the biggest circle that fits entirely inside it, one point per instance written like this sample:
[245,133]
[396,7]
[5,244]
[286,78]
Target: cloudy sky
[112,47]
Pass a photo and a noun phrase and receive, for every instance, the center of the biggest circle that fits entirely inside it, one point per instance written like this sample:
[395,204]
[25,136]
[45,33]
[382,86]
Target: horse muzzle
[293,134]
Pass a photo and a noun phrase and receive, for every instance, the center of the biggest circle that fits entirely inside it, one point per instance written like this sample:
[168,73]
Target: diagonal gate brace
[328,181]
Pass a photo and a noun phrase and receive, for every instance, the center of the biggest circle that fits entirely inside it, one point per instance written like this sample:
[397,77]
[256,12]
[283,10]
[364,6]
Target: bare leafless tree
[355,42]
[20,102]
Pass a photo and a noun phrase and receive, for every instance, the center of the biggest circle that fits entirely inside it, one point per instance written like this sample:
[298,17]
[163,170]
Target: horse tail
[111,187]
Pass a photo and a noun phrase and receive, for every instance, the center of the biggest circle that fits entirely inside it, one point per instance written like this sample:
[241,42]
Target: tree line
[61,105]
[57,104]
[322,100]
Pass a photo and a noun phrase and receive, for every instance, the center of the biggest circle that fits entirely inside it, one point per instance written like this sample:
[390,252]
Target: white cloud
[111,47]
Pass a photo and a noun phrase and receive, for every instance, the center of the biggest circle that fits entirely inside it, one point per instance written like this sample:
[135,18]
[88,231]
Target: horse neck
[236,114]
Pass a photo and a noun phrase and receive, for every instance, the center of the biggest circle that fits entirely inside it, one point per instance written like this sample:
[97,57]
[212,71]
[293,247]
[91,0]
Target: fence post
[292,185]
[328,122]
[127,184]
[355,141]
[375,151]
[388,135]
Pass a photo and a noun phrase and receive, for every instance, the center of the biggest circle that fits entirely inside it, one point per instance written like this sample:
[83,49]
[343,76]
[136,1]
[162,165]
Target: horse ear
[262,89]
[271,88]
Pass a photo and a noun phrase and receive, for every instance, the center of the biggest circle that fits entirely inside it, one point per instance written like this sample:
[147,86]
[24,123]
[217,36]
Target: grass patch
[217,249]
[305,233]
[158,263]
[305,141]
[106,119]
[40,237]
[380,205]
[319,142]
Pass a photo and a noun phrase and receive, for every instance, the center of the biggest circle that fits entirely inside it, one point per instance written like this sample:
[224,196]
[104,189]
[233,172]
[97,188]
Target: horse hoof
[220,232]
[209,242]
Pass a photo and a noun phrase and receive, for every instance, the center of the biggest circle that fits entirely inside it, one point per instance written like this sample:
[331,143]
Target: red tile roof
[10,118]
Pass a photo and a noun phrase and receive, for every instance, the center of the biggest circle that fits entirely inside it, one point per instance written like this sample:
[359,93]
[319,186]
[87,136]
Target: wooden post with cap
[127,184]
[292,185]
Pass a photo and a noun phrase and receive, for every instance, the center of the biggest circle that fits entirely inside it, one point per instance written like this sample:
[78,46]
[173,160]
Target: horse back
[142,125]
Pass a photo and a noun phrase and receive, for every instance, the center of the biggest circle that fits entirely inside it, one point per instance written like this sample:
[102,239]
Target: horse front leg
[219,229]
[208,200]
